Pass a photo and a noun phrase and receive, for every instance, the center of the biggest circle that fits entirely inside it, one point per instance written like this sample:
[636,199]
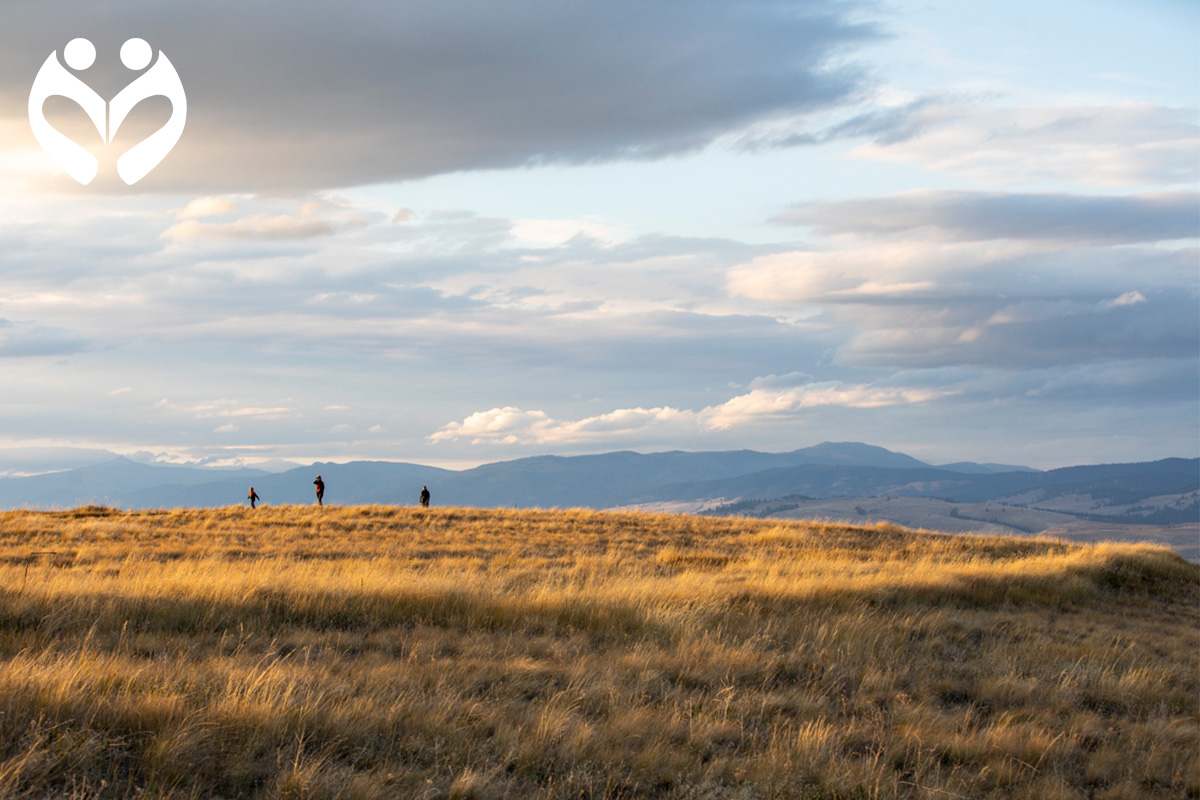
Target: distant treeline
[758,508]
[1161,516]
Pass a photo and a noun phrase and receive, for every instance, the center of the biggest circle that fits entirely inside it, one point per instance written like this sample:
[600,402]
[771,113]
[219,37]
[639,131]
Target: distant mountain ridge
[612,479]
[115,481]
[607,480]
[1126,482]
[592,480]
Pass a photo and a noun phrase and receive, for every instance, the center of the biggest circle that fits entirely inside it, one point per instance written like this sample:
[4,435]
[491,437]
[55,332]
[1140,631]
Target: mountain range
[619,479]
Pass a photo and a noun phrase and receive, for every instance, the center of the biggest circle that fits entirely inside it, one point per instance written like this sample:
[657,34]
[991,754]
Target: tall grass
[371,652]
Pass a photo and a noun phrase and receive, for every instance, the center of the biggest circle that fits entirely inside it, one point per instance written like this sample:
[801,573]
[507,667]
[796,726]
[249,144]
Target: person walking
[425,496]
[252,497]
[320,484]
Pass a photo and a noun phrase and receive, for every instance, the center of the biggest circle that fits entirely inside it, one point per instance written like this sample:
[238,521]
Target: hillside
[374,652]
[841,469]
[1157,500]
[944,515]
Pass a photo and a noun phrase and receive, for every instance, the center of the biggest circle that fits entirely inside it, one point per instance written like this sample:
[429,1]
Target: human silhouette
[320,484]
[252,497]
[425,496]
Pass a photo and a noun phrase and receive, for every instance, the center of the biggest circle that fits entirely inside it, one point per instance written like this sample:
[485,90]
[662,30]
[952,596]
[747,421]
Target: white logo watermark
[53,79]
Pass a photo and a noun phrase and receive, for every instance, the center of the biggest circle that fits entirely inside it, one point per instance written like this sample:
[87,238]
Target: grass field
[952,517]
[372,652]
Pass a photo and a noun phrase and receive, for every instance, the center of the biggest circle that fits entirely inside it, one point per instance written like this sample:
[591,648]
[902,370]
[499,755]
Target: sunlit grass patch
[397,652]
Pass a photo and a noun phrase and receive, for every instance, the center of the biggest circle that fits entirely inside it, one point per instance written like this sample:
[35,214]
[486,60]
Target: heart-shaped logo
[53,79]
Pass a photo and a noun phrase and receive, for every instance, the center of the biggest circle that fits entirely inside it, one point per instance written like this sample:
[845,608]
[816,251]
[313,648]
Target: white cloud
[207,207]
[269,219]
[1128,299]
[507,425]
[230,428]
[859,271]
[511,425]
[768,399]
[764,403]
[230,408]
[255,226]
[560,231]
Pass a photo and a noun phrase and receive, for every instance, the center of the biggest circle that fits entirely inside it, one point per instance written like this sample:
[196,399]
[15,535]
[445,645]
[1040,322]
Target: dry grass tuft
[372,652]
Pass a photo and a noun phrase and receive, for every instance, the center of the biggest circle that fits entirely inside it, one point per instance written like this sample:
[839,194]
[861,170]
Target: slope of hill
[1156,493]
[943,515]
[376,653]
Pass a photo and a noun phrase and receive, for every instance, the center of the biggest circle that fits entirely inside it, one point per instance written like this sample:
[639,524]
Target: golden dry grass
[458,653]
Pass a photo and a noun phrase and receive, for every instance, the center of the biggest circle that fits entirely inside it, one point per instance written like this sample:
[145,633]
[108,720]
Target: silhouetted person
[425,496]
[320,484]
[252,497]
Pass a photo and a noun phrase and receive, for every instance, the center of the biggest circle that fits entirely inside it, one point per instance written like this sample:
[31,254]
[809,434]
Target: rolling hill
[746,482]
[385,653]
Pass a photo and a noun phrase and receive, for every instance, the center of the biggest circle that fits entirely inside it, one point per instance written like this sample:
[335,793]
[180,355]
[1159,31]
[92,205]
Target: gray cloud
[302,95]
[24,340]
[1114,144]
[450,291]
[1017,282]
[1023,334]
[884,126]
[981,216]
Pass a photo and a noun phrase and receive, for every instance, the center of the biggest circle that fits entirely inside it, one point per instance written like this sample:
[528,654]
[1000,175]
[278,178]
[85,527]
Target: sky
[462,232]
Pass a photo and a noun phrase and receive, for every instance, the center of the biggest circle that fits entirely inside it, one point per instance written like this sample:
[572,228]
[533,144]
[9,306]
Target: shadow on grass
[273,610]
[1138,573]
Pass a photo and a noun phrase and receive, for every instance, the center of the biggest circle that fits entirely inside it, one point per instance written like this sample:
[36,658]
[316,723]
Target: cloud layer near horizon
[389,328]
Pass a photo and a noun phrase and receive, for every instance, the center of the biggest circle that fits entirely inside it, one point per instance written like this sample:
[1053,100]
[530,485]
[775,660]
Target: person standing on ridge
[425,496]
[252,497]
[320,484]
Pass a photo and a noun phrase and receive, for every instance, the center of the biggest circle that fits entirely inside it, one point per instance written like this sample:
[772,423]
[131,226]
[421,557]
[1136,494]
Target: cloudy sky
[468,231]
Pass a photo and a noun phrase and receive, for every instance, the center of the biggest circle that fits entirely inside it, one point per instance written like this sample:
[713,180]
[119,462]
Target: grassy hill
[942,515]
[372,652]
